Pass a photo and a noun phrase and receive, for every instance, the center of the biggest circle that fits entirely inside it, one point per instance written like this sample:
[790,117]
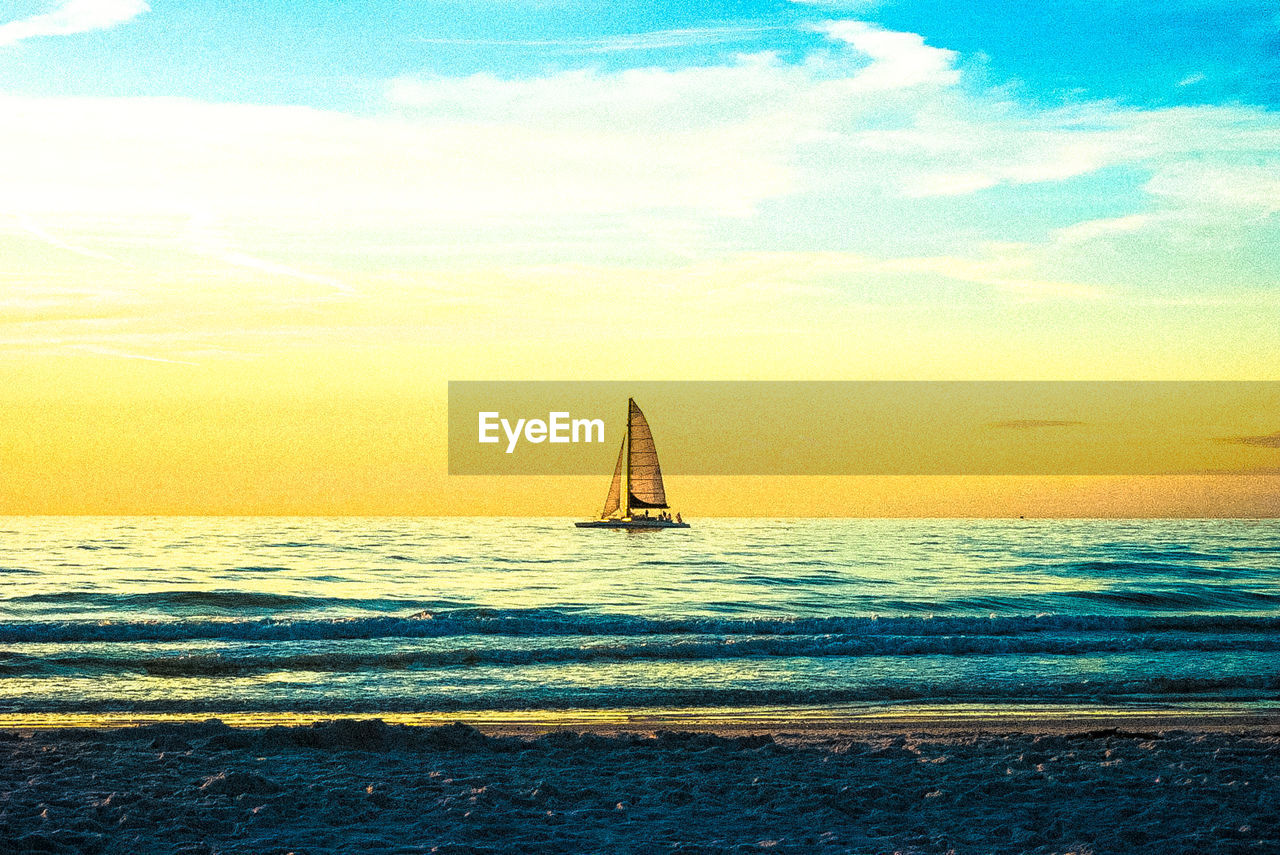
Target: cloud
[1271,440]
[33,229]
[1251,189]
[1088,230]
[124,354]
[1251,471]
[1009,269]
[881,118]
[653,40]
[867,159]
[898,60]
[206,239]
[73,16]
[1033,424]
[840,5]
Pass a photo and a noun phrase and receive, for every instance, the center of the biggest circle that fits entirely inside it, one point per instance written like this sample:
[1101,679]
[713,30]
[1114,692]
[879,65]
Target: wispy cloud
[1088,230]
[1250,471]
[840,5]
[1010,269]
[73,16]
[653,40]
[1033,424]
[205,239]
[1270,440]
[124,354]
[30,227]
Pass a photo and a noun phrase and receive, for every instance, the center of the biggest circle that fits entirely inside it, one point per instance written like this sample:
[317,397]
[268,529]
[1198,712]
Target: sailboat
[637,481]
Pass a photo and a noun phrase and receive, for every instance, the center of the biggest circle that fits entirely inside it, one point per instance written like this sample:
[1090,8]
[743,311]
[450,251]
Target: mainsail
[637,474]
[645,477]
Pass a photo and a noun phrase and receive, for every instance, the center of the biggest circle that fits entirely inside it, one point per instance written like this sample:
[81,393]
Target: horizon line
[581,516]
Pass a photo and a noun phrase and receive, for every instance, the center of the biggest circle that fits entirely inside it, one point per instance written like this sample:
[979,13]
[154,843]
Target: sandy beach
[863,786]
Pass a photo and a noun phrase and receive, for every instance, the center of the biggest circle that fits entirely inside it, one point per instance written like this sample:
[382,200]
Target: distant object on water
[637,482]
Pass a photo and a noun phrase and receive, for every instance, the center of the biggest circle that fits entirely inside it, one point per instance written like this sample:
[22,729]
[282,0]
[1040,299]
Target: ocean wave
[1245,688]
[561,622]
[1134,598]
[220,600]
[1198,597]
[255,660]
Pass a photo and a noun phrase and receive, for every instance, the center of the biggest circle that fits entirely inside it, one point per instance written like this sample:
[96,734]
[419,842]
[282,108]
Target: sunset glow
[242,253]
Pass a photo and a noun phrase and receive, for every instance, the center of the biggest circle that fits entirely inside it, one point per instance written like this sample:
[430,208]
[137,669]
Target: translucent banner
[869,428]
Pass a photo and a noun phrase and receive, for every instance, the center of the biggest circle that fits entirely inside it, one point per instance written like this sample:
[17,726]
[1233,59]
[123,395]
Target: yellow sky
[328,430]
[210,306]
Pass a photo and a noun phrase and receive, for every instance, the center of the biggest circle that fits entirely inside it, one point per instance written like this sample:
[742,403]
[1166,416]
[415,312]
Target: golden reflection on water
[833,719]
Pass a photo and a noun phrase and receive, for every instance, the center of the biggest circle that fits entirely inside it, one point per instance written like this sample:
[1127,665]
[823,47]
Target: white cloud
[1011,269]
[840,5]
[99,350]
[653,40]
[73,16]
[1248,189]
[949,184]
[30,227]
[898,60]
[207,240]
[683,163]
[161,156]
[881,118]
[1088,230]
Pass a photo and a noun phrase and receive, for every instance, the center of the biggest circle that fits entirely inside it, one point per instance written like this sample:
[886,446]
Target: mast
[625,496]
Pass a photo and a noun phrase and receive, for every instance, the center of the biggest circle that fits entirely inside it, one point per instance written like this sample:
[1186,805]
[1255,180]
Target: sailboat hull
[631,524]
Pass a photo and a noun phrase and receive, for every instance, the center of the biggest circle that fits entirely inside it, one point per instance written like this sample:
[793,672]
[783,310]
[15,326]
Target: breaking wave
[559,622]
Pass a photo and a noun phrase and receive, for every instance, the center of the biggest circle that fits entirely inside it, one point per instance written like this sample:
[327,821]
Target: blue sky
[1076,185]
[326,54]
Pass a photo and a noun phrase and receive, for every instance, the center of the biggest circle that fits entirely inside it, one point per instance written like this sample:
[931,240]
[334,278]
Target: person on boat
[678,519]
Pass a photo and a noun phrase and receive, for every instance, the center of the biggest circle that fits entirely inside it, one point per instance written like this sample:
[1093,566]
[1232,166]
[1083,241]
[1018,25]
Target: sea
[262,617]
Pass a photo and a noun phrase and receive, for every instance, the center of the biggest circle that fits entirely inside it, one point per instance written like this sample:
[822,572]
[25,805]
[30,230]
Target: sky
[244,246]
